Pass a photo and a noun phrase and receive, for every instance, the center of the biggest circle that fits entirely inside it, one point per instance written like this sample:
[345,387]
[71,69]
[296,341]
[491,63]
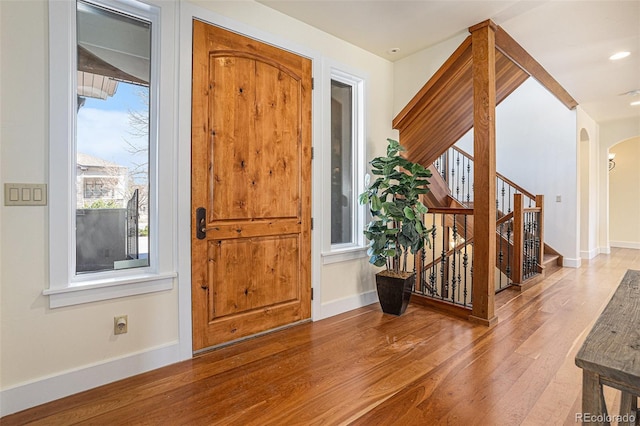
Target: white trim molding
[30,394]
[571,263]
[336,307]
[589,254]
[625,244]
[109,289]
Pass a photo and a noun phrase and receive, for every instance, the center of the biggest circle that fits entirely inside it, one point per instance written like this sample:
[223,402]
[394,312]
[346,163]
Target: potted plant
[396,229]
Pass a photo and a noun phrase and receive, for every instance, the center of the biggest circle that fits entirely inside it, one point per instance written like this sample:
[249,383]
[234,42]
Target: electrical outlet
[120,324]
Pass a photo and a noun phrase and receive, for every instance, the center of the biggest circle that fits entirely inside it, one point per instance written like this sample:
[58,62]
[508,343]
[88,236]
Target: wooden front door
[251,187]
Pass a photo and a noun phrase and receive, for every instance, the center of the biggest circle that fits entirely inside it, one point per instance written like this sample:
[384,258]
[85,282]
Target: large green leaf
[408,213]
[376,203]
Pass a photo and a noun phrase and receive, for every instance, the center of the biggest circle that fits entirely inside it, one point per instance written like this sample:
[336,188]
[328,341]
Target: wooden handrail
[451,210]
[504,218]
[507,180]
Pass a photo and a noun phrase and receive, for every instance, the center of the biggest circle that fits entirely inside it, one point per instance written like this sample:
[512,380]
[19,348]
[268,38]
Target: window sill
[344,255]
[94,291]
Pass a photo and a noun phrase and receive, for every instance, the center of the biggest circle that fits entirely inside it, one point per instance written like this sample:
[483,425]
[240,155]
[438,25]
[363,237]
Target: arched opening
[624,195]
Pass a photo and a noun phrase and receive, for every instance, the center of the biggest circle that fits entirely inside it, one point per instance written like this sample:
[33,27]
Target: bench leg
[592,397]
[628,409]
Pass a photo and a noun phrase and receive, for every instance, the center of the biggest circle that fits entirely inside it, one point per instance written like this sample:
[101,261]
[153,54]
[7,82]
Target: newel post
[540,203]
[483,45]
[518,237]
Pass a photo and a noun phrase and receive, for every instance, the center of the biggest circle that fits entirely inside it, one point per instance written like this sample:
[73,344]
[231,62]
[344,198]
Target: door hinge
[312,224]
[313,83]
[313,153]
[311,293]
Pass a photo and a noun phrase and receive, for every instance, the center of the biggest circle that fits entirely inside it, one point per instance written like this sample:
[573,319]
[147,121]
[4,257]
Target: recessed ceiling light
[619,55]
[635,103]
[393,50]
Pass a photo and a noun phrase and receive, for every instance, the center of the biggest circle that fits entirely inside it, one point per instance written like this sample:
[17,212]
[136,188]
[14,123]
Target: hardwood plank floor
[366,368]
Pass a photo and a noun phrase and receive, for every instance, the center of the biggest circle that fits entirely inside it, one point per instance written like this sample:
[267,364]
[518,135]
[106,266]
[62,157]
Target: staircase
[445,272]
[462,95]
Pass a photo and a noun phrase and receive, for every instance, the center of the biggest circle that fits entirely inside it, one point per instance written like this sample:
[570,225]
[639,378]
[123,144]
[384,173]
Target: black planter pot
[394,292]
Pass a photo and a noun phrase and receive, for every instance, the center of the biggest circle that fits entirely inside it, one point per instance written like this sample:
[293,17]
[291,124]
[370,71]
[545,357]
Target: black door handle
[201,222]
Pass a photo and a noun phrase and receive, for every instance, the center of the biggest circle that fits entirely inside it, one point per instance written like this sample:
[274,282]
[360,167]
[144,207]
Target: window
[346,164]
[112,138]
[342,178]
[104,151]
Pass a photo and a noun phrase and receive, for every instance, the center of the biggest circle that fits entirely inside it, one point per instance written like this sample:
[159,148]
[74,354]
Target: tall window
[112,139]
[347,160]
[108,226]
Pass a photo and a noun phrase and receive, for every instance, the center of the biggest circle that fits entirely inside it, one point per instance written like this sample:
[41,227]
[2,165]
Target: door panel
[251,170]
[257,263]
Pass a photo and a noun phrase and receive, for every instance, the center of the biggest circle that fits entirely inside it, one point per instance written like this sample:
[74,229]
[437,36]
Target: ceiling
[571,39]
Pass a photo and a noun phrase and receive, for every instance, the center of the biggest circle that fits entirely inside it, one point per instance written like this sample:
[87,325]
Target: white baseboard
[571,263]
[30,394]
[625,244]
[340,306]
[589,254]
[605,250]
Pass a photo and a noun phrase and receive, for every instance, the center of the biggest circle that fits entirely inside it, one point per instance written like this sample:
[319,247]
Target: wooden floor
[366,368]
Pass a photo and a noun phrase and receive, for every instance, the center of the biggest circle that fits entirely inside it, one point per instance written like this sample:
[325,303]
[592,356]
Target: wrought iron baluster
[500,255]
[432,273]
[443,262]
[458,176]
[453,259]
[509,225]
[469,181]
[465,261]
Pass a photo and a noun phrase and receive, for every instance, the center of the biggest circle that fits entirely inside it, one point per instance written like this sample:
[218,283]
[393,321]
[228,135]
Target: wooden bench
[610,356]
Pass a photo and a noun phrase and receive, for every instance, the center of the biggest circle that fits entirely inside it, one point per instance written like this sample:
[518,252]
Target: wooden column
[540,203]
[484,152]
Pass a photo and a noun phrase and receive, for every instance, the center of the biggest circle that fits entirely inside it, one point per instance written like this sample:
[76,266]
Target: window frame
[333,253]
[66,287]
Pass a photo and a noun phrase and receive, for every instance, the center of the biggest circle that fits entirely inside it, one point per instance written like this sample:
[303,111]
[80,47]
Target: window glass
[112,140]
[342,197]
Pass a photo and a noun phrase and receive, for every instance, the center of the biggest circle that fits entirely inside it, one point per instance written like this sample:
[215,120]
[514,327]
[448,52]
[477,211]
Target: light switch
[25,194]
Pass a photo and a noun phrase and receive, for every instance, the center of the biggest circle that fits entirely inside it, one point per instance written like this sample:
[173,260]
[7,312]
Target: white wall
[536,147]
[48,353]
[38,342]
